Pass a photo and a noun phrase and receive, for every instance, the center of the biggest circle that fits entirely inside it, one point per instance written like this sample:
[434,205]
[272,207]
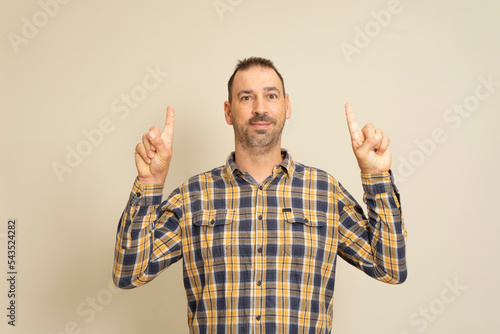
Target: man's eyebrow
[271,88]
[267,89]
[241,92]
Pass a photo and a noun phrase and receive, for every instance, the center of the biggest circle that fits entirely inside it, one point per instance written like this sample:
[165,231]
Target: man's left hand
[370,146]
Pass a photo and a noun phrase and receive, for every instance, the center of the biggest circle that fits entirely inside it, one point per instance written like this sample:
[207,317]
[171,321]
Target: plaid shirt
[261,258]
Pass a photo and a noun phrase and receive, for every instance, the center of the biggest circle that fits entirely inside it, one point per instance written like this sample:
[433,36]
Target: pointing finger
[356,134]
[168,131]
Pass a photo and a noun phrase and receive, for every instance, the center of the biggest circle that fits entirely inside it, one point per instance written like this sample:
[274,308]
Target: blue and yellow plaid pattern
[261,258]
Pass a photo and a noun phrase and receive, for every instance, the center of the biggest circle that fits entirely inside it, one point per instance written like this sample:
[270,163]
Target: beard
[261,140]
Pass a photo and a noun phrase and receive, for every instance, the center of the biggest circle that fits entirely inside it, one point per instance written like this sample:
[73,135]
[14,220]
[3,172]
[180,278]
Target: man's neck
[260,166]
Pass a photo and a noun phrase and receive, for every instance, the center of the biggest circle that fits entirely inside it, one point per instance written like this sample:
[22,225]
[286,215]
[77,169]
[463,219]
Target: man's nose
[260,106]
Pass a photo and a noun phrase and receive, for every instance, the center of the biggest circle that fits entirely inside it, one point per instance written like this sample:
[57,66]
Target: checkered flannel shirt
[261,258]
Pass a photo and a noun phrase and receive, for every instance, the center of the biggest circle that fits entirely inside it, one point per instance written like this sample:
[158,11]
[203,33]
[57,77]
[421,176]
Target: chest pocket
[215,234]
[305,234]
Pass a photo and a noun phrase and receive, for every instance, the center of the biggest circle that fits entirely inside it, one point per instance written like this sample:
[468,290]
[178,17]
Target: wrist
[151,180]
[374,170]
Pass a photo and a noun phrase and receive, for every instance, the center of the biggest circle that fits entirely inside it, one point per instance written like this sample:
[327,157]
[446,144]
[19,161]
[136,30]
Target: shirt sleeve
[375,244]
[148,238]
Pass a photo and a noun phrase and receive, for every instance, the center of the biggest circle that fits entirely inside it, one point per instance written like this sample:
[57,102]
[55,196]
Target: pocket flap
[213,217]
[295,216]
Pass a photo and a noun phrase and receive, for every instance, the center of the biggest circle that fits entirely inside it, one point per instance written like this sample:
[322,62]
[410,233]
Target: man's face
[258,110]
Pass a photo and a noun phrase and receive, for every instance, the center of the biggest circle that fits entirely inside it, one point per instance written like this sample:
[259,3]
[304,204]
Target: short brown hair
[249,63]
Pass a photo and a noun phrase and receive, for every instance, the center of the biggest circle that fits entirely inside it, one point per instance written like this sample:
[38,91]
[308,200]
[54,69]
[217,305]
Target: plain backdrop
[77,93]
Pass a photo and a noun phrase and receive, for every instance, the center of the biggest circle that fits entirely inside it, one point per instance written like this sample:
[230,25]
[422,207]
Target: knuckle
[156,142]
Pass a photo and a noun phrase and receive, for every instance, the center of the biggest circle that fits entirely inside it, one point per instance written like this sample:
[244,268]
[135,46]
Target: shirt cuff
[378,183]
[146,194]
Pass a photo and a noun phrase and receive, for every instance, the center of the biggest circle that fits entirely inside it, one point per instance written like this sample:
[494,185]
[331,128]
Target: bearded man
[260,235]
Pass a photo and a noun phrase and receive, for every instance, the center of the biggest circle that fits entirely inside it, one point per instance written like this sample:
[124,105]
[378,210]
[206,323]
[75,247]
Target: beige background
[63,79]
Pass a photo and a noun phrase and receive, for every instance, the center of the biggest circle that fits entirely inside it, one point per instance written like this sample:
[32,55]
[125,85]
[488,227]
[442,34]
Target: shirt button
[306,220]
[212,221]
[261,188]
[138,194]
[259,283]
[259,250]
[260,217]
[258,318]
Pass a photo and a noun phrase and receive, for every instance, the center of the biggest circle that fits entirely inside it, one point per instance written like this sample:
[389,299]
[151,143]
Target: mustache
[261,118]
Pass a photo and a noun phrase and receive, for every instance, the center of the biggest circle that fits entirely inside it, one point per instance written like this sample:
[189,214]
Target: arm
[375,245]
[149,238]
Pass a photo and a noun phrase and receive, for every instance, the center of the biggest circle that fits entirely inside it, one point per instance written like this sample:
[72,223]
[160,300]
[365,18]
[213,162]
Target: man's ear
[227,113]
[288,111]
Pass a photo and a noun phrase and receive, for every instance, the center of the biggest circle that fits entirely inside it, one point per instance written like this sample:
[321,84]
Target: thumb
[156,139]
[370,144]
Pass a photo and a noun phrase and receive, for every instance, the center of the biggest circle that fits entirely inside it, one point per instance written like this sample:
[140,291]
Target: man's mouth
[260,125]
[260,121]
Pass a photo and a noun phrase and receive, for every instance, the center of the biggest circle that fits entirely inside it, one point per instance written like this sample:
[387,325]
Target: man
[259,236]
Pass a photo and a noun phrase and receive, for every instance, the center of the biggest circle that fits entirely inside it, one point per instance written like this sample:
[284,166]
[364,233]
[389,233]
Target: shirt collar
[287,165]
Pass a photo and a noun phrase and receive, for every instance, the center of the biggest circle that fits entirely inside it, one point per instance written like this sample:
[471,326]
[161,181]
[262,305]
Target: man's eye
[245,98]
[273,96]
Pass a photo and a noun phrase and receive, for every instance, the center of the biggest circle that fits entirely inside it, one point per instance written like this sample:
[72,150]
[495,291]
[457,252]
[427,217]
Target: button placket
[259,260]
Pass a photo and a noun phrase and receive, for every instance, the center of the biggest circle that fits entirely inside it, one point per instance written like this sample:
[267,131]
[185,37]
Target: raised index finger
[354,130]
[168,131]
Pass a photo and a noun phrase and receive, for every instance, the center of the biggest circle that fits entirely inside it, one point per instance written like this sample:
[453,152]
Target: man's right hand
[153,154]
